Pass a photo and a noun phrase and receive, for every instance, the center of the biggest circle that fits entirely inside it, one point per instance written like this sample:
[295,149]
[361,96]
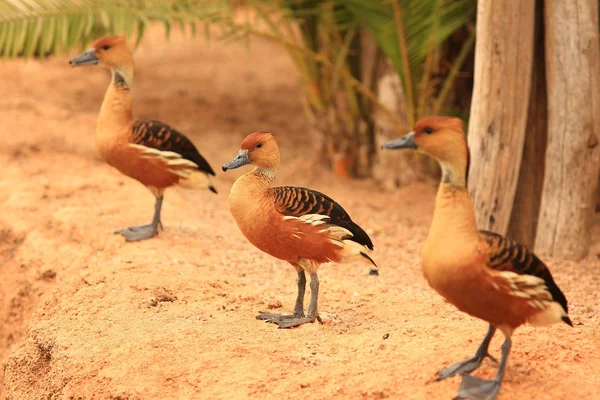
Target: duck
[304,227]
[484,274]
[149,151]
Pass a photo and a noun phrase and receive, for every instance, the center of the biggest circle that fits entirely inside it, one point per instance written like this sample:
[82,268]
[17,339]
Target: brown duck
[151,152]
[298,225]
[484,274]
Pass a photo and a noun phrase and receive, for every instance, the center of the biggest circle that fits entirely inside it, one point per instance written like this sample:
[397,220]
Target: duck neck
[117,105]
[266,175]
[454,173]
[248,191]
[453,217]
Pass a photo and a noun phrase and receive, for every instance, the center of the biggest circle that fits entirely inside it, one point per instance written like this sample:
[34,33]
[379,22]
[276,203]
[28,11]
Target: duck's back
[306,237]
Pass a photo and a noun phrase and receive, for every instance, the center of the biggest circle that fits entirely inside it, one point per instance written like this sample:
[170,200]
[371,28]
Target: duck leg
[480,389]
[298,308]
[471,364]
[141,232]
[313,314]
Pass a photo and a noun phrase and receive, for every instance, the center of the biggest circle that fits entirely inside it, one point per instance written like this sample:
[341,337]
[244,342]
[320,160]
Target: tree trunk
[343,135]
[526,208]
[335,145]
[503,64]
[396,168]
[391,169]
[573,155]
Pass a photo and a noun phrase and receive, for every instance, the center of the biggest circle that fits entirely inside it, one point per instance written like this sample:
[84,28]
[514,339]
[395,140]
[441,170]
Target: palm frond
[410,33]
[425,22]
[42,27]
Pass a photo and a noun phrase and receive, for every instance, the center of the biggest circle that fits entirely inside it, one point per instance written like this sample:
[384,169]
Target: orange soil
[85,315]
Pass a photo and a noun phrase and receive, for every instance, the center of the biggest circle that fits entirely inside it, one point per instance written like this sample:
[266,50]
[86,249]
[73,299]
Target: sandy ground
[85,315]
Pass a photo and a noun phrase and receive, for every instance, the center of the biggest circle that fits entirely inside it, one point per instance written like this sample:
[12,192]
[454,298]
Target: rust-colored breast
[288,238]
[153,153]
[503,284]
[131,161]
[152,172]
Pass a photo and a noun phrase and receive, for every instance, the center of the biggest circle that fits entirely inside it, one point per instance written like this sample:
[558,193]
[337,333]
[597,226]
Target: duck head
[442,138]
[109,52]
[258,149]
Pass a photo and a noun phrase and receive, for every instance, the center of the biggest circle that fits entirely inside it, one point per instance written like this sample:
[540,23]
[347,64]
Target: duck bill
[405,142]
[87,58]
[239,161]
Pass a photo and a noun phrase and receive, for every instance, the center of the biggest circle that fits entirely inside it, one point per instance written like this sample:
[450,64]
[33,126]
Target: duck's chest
[450,264]
[250,206]
[112,143]
[258,220]
[114,127]
[460,274]
[111,136]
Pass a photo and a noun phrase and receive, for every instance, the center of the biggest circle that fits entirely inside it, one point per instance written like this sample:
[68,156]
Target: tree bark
[503,64]
[526,208]
[391,169]
[343,134]
[573,154]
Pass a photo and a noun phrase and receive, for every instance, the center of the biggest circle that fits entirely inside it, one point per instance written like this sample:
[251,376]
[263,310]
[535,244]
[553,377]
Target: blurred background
[366,70]
[361,65]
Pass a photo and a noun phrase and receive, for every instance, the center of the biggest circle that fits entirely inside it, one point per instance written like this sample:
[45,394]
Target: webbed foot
[285,321]
[463,367]
[475,388]
[139,232]
[272,317]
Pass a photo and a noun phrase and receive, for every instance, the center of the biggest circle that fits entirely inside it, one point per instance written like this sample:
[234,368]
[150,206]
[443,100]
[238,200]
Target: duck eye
[106,47]
[258,146]
[428,131]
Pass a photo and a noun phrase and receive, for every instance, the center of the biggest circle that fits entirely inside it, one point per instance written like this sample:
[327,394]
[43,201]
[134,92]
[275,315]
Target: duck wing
[158,138]
[505,254]
[298,201]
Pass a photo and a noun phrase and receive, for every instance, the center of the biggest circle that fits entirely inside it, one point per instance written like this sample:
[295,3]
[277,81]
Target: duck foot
[292,323]
[463,367]
[471,364]
[298,318]
[285,321]
[139,232]
[474,388]
[272,317]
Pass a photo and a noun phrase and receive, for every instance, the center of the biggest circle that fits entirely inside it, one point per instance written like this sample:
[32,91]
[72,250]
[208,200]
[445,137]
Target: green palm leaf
[410,32]
[39,27]
[424,21]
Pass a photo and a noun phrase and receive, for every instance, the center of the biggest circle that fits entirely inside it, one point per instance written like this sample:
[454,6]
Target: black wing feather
[299,201]
[508,255]
[162,137]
